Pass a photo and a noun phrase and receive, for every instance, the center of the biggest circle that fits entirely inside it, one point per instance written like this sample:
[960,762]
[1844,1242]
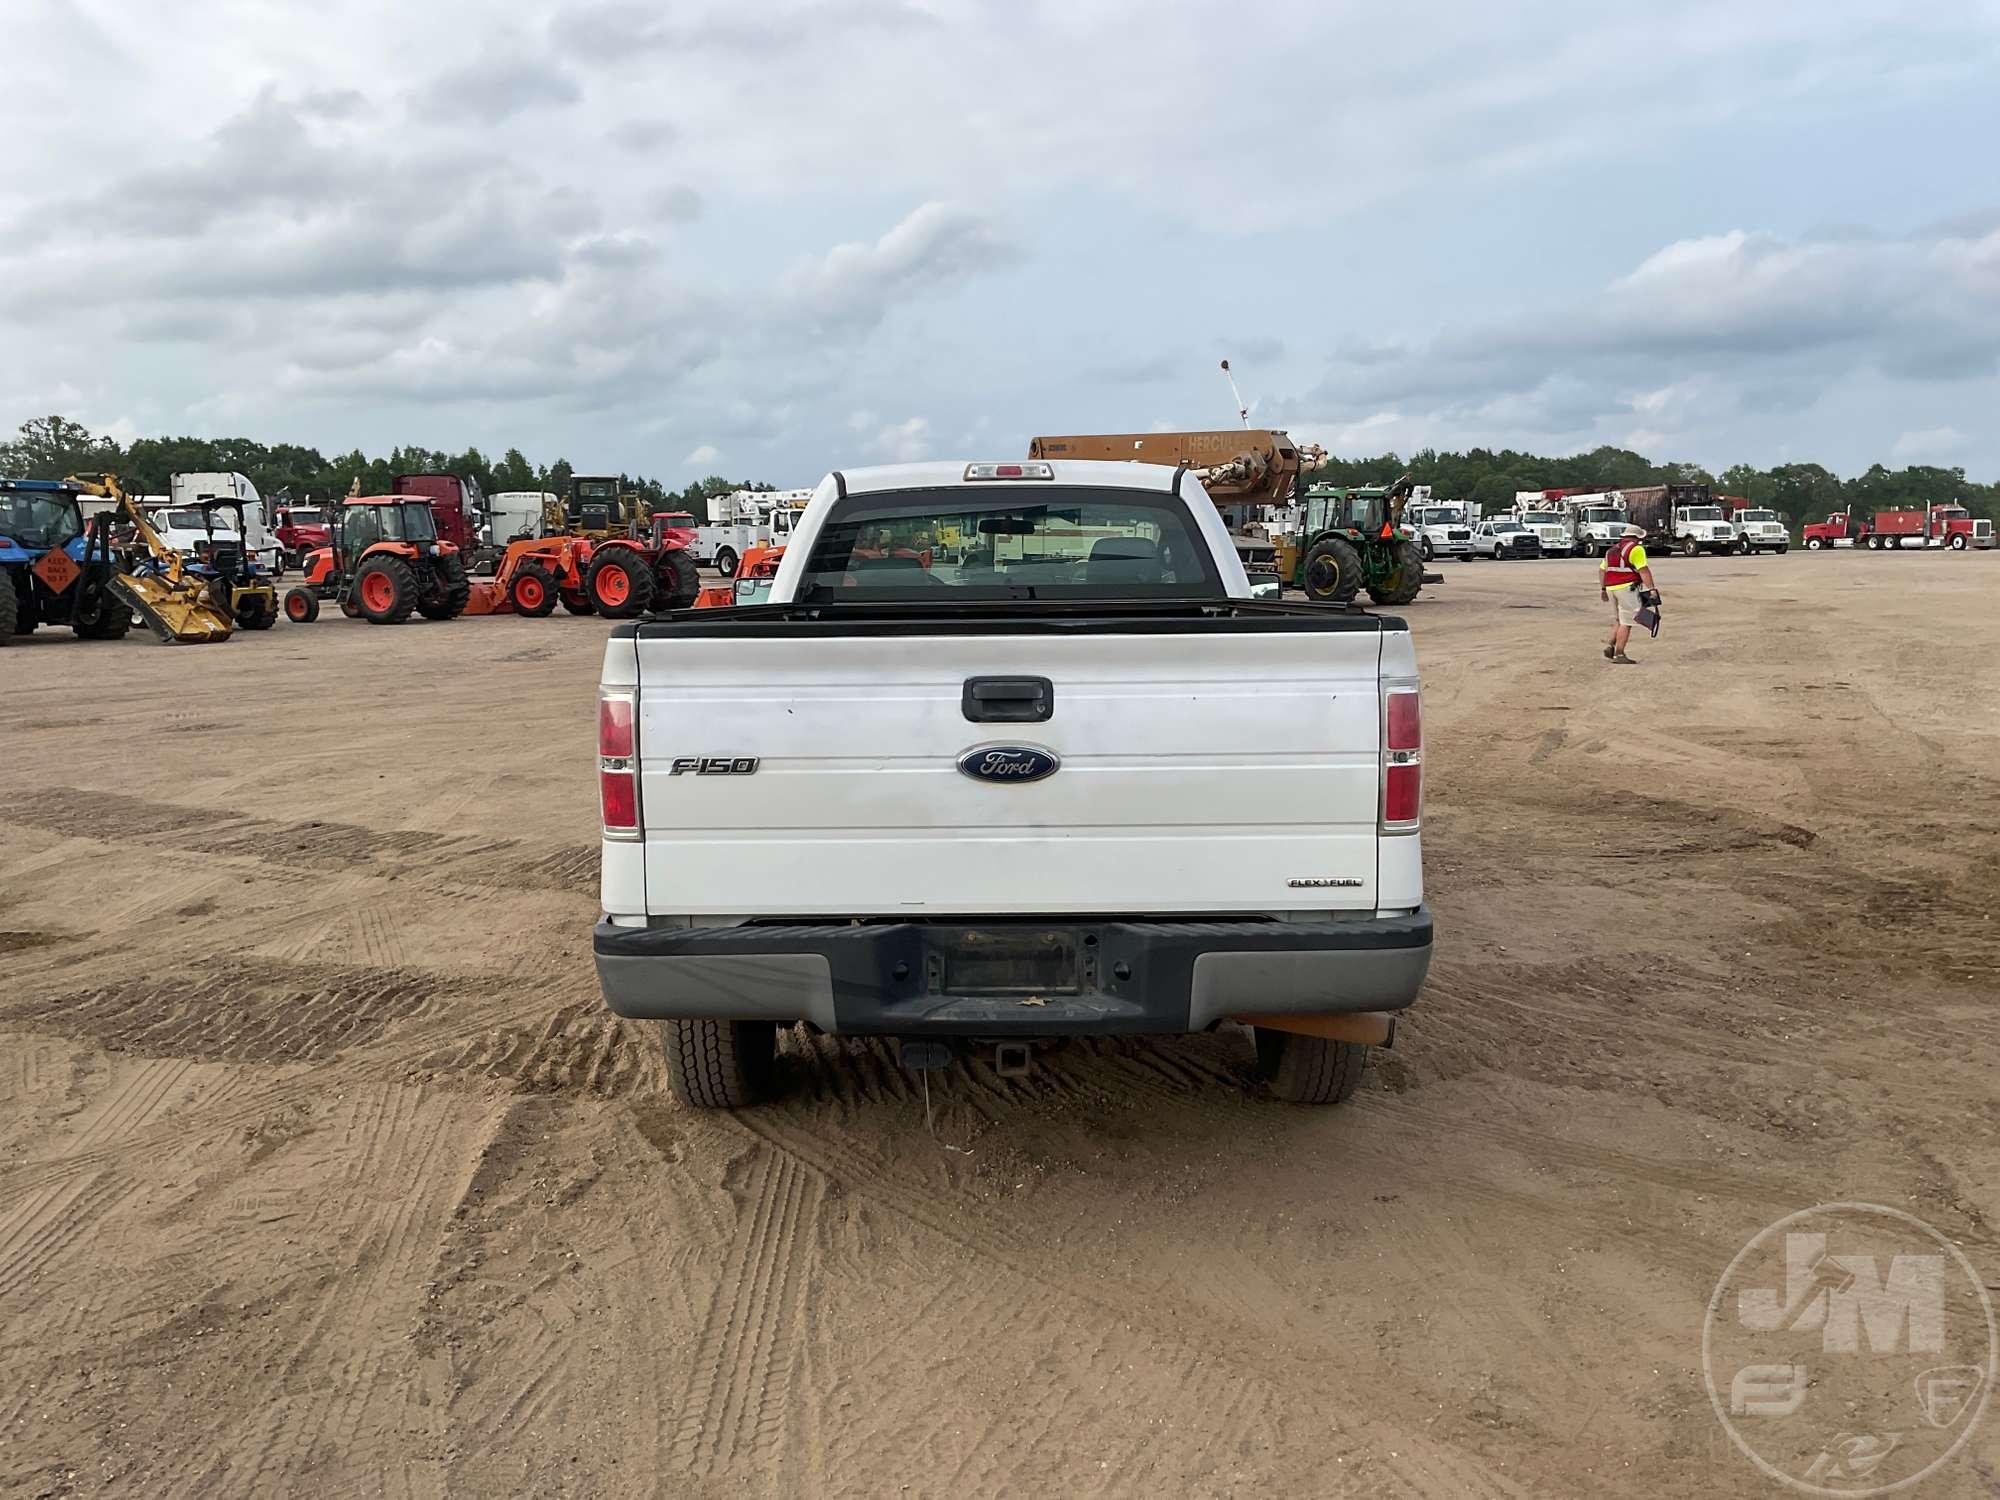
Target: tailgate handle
[1008,700]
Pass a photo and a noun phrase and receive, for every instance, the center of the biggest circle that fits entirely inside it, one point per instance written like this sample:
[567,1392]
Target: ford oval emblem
[1008,763]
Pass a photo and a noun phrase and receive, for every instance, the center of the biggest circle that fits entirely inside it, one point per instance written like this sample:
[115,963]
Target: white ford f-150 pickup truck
[1077,782]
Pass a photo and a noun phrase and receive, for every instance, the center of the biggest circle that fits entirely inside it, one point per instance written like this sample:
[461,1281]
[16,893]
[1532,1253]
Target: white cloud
[902,442]
[935,246]
[705,454]
[1930,445]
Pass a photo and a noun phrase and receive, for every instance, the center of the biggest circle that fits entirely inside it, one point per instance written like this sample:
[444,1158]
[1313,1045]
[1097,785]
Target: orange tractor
[654,569]
[383,562]
[752,582]
[533,576]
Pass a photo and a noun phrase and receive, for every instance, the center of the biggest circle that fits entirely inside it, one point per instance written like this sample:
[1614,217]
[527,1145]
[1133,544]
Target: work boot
[1609,652]
[1623,660]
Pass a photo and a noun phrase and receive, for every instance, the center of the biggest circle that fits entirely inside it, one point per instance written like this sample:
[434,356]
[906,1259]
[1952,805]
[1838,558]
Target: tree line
[52,447]
[1798,492]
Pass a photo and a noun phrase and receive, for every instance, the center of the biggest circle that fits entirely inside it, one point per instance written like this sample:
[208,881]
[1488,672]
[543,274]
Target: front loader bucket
[488,598]
[176,614]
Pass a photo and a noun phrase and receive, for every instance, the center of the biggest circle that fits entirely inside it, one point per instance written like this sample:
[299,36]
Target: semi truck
[1948,526]
[456,503]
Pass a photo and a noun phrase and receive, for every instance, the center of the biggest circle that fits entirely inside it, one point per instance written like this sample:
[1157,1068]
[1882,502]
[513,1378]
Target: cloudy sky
[764,238]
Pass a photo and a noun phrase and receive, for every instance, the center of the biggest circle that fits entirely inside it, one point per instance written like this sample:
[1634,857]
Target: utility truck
[1076,782]
[1592,516]
[1551,528]
[742,521]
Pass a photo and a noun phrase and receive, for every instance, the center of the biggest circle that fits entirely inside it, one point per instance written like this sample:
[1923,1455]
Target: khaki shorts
[1625,601]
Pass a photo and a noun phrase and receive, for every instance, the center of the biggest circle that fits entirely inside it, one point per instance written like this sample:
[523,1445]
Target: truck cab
[1442,530]
[1596,524]
[1759,530]
[1551,529]
[1956,528]
[1702,528]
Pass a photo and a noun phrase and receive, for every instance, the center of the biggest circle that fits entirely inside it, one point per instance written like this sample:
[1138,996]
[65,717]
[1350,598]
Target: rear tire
[720,1064]
[676,584]
[10,609]
[1402,585]
[577,604]
[1308,1069]
[618,584]
[454,589]
[385,591]
[301,606]
[1331,573]
[256,614]
[532,590]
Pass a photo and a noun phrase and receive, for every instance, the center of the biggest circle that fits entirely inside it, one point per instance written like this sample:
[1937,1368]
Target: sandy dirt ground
[323,1171]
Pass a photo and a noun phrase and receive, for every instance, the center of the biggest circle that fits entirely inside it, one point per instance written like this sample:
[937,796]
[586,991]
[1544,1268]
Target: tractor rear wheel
[1403,580]
[10,609]
[720,1064]
[618,584]
[1331,573]
[675,582]
[301,606]
[385,590]
[453,589]
[533,590]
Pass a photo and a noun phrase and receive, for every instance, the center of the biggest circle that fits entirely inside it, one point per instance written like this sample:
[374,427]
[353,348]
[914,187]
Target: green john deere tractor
[1351,541]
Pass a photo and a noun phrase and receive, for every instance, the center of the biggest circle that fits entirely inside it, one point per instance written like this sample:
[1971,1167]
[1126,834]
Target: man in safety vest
[1626,580]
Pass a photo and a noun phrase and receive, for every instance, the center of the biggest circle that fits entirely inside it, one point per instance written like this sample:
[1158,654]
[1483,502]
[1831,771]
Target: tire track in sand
[741,1381]
[407,1146]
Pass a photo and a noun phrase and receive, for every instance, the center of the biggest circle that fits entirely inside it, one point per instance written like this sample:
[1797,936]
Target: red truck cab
[300,529]
[455,501]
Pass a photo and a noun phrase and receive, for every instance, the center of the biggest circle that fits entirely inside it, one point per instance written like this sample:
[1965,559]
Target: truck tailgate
[1204,767]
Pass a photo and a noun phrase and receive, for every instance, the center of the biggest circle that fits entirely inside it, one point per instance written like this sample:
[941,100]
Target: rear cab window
[977,542]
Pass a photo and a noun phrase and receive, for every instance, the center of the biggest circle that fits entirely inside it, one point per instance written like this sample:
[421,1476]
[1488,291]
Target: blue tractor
[55,570]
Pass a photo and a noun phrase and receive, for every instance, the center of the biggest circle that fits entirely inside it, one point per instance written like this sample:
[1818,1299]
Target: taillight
[618,762]
[1402,757]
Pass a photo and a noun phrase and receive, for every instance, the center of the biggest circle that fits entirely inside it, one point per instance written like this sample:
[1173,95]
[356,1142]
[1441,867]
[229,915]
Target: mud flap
[177,616]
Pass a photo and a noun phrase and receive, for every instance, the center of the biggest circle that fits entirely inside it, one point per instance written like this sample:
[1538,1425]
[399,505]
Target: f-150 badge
[1008,763]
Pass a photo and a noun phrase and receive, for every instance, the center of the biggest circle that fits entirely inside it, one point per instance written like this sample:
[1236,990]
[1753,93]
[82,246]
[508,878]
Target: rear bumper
[1103,977]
